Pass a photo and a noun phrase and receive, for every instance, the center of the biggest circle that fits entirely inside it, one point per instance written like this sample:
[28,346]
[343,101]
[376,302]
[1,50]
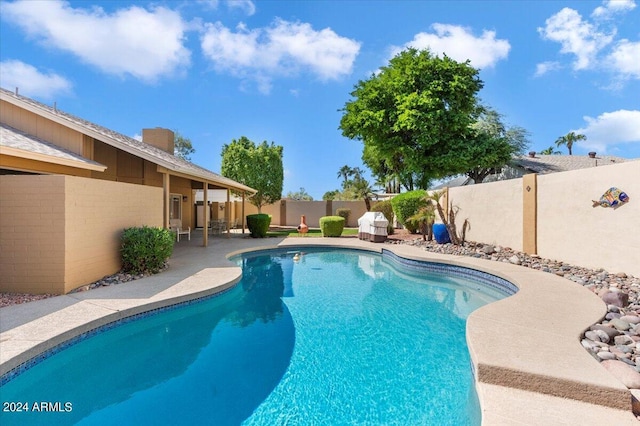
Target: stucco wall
[358,208]
[60,232]
[313,210]
[32,245]
[571,230]
[494,211]
[96,213]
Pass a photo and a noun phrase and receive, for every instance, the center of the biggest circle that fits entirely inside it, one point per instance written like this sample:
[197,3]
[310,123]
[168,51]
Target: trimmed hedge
[145,249]
[258,224]
[332,226]
[386,209]
[344,212]
[406,205]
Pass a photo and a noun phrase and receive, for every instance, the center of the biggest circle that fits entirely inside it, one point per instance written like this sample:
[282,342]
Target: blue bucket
[440,233]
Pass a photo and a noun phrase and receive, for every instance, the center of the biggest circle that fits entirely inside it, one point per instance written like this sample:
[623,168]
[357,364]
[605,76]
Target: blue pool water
[334,337]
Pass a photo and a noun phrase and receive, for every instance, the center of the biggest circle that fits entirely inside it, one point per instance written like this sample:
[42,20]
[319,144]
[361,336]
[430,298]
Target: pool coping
[510,341]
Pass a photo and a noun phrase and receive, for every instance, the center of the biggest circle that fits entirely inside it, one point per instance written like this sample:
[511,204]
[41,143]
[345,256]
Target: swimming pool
[327,336]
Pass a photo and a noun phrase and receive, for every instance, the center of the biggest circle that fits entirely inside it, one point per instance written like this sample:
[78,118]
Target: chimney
[160,138]
[592,154]
[532,154]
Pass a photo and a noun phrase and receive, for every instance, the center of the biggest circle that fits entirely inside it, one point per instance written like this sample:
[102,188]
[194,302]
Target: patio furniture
[176,226]
[218,226]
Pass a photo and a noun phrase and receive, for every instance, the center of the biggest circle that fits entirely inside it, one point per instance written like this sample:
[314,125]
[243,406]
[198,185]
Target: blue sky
[280,71]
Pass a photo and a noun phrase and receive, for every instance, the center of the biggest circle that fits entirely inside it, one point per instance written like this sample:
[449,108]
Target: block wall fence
[59,232]
[549,215]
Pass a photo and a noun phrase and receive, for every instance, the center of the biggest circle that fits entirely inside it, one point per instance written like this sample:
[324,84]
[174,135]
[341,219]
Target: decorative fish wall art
[613,198]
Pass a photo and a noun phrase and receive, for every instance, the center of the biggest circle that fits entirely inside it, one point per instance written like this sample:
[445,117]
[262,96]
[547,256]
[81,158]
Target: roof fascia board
[80,128]
[29,155]
[172,172]
[110,141]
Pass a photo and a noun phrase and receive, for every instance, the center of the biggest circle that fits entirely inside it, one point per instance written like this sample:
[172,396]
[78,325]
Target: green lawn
[293,232]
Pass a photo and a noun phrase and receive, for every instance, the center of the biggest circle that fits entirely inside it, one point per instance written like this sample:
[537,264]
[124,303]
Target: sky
[282,71]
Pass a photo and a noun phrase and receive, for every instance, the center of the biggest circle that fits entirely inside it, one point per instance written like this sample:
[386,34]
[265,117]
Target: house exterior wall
[182,186]
[494,211]
[571,230]
[41,127]
[58,233]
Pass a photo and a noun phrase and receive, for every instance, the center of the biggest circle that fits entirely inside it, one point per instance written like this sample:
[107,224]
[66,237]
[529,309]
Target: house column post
[166,180]
[228,212]
[242,211]
[206,209]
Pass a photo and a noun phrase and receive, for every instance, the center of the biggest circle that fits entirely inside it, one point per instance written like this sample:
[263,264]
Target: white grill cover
[372,226]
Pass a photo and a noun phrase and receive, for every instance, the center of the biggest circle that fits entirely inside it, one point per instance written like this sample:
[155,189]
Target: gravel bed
[8,299]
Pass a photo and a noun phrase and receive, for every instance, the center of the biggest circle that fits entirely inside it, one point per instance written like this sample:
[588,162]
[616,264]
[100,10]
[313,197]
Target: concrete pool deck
[529,364]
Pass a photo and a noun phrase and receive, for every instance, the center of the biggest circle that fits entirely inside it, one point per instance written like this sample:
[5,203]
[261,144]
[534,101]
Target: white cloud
[146,44]
[576,37]
[32,82]
[246,6]
[610,129]
[545,67]
[612,7]
[284,48]
[625,58]
[460,44]
[209,4]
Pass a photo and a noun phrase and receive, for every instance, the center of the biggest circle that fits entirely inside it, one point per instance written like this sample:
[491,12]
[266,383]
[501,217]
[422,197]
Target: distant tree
[182,146]
[414,117]
[301,195]
[360,189]
[257,166]
[354,186]
[569,139]
[493,145]
[549,151]
[345,173]
[331,195]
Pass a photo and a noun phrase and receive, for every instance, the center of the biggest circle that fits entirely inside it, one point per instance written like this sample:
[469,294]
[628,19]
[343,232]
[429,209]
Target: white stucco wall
[571,230]
[494,211]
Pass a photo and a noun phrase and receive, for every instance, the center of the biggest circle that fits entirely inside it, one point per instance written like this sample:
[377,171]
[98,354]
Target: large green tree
[182,146]
[415,118]
[569,139]
[257,166]
[493,145]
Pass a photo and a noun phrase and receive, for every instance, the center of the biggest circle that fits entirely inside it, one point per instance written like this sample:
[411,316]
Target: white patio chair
[176,226]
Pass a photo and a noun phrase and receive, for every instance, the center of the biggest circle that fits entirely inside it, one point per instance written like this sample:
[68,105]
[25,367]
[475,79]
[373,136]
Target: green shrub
[145,249]
[331,226]
[258,224]
[408,204]
[344,212]
[386,209]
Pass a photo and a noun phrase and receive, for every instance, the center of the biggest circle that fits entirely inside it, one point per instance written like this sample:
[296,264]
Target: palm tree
[549,151]
[569,140]
[345,173]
